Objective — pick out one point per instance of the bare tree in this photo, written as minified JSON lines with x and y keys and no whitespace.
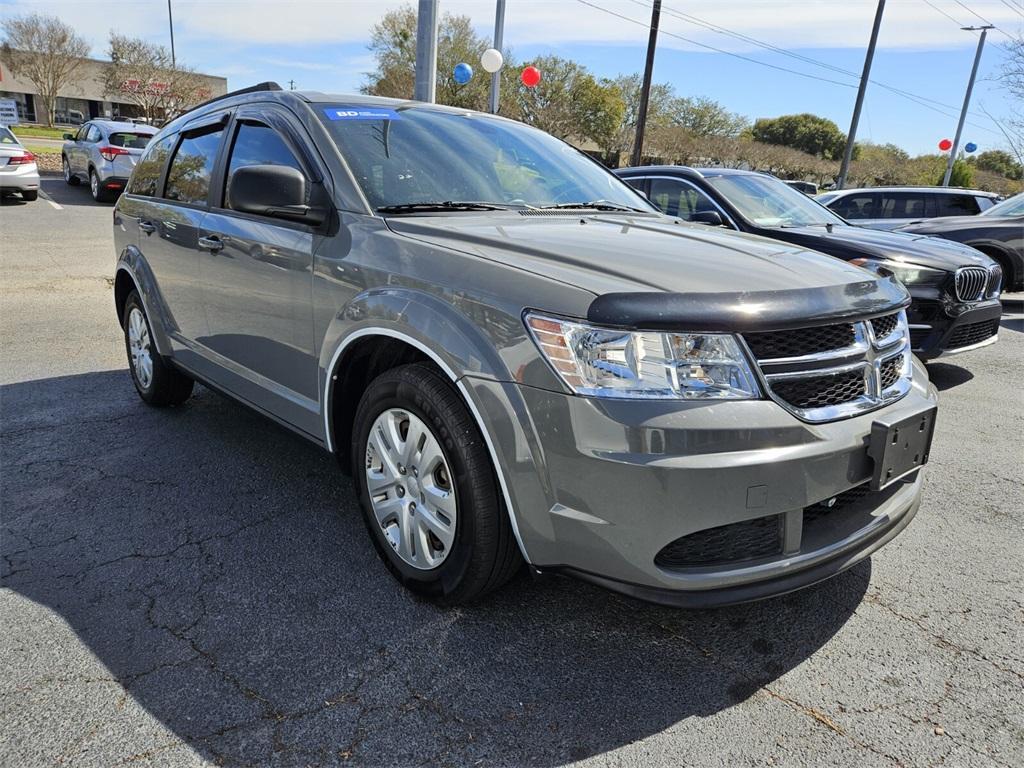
{"x":142,"y":74}
{"x":45,"y":51}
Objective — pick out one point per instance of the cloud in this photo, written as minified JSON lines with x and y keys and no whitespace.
{"x":799,"y":24}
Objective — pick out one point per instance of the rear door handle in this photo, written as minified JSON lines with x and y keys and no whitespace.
{"x":147,"y":226}
{"x":211,"y":243}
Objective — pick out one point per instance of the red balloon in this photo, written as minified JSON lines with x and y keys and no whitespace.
{"x":530,"y":77}
{"x":945,"y":145}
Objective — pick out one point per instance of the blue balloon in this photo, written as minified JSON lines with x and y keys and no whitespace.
{"x":970,"y":146}
{"x":463,"y":73}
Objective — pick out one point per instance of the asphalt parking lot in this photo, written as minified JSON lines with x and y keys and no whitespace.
{"x":195,"y":586}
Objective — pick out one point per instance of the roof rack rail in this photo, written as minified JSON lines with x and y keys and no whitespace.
{"x":269,"y":85}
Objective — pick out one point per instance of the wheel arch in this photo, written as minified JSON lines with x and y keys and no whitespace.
{"x":133,"y":274}
{"x":365,"y":353}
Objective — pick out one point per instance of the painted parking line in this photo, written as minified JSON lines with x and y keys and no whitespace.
{"x":49,"y":199}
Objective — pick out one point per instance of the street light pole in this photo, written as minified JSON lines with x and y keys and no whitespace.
{"x":499,"y":35}
{"x":426,"y":51}
{"x":967,"y":100}
{"x":170,"y":23}
{"x":852,"y":137}
{"x":645,"y":90}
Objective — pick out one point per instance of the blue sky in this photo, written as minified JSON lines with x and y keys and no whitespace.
{"x":321,"y":45}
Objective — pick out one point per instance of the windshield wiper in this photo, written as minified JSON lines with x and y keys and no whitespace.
{"x":447,"y":205}
{"x":597,"y":205}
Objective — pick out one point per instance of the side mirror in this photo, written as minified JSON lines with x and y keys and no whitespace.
{"x":712,"y":218}
{"x":272,"y":190}
{"x":69,"y":137}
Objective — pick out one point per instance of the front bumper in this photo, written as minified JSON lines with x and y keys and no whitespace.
{"x":600,"y":488}
{"x":939,"y":328}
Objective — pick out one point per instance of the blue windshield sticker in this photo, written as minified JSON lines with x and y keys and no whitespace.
{"x":361,"y":113}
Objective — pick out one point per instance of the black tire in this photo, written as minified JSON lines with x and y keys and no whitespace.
{"x":69,"y":178}
{"x":99,"y":194}
{"x":29,"y":195}
{"x":485,"y":554}
{"x":168,"y":385}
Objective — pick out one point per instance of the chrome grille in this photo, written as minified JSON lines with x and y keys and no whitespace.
{"x":817,"y":380}
{"x":971,"y":283}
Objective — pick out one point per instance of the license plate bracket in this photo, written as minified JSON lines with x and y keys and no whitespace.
{"x":901,"y":447}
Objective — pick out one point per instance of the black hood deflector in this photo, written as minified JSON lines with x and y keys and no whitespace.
{"x":749,"y":311}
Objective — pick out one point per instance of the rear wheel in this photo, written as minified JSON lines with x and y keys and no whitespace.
{"x":428,"y":490}
{"x":28,"y":195}
{"x":155,"y":380}
{"x":69,"y":177}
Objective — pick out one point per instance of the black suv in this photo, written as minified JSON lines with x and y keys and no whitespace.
{"x":955,"y":288}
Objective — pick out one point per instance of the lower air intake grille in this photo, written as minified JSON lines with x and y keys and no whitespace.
{"x":821,"y":391}
{"x":799,"y":342}
{"x":746,"y":540}
{"x":973,"y":333}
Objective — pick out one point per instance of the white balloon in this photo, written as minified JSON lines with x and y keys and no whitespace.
{"x":491,"y":60}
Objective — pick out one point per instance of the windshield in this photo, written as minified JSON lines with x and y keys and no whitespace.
{"x":419,"y":155}
{"x":1014,"y":206}
{"x":768,"y":202}
{"x":6,"y":137}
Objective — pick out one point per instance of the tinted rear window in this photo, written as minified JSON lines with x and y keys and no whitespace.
{"x":130,"y":140}
{"x":957,"y":205}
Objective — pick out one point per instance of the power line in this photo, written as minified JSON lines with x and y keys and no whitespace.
{"x":936,"y":8}
{"x":923,"y":101}
{"x":645,"y":25}
{"x":973,"y":12}
{"x":1013,"y":8}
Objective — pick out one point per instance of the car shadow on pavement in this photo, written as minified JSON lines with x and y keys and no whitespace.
{"x":219,"y":568}
{"x":66,"y":195}
{"x":946,"y":375}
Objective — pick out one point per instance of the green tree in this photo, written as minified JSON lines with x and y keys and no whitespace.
{"x":144,"y":73}
{"x":702,"y":116}
{"x":805,"y":132}
{"x":659,"y":105}
{"x":999,"y":161}
{"x":962,"y":175}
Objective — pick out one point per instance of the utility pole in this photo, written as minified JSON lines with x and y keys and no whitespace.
{"x":645,"y":90}
{"x":170,"y":22}
{"x":499,"y":36}
{"x":852,"y":137}
{"x":967,"y":100}
{"x":426,"y":51}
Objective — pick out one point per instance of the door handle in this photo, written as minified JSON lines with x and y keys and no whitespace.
{"x":147,"y":226}
{"x":211,"y":244}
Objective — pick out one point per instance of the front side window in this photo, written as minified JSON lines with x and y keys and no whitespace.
{"x":677,"y":198}
{"x":83,"y":132}
{"x":93,"y":135}
{"x":905,"y":205}
{"x":257,"y":144}
{"x":146,"y":175}
{"x":188,"y":179}
{"x":422,"y":154}
{"x":767,"y":202}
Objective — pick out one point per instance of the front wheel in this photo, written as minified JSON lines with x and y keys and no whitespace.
{"x":155,"y":380}
{"x":428,"y":490}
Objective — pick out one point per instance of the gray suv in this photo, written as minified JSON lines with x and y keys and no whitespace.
{"x":103,"y":154}
{"x":516,"y":356}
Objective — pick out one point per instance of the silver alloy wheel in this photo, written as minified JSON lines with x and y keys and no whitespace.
{"x":67,"y":170}
{"x":138,"y":343}
{"x":94,"y":184}
{"x":410,"y":487}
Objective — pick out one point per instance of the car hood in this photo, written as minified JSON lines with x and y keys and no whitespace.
{"x":954,"y":223}
{"x":919,"y":249}
{"x":724,"y":276}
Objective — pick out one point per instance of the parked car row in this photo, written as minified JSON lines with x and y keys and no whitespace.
{"x":955,"y":289}
{"x":519,"y":357}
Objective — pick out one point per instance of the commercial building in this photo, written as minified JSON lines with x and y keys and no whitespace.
{"x":82,"y":99}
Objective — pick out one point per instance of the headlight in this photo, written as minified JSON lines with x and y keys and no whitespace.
{"x":904,"y":272}
{"x":606,"y":362}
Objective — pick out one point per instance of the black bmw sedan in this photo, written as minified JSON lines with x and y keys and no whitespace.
{"x":955,"y":288}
